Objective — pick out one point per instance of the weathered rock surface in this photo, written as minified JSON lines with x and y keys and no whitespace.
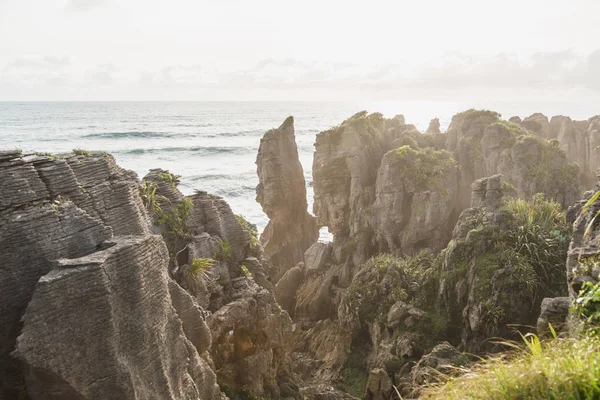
{"x":443,"y":358}
{"x":250,"y":335}
{"x":554,"y":312}
{"x":282,"y":194}
{"x":115,"y":313}
{"x":76,"y":229}
{"x":54,"y":208}
{"x":415,"y":200}
{"x":434,"y":127}
{"x":530,"y":164}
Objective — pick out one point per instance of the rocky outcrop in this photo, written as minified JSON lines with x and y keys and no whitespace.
{"x":415,"y":199}
{"x":434,"y":127}
{"x":214,"y":257}
{"x":579,"y":139}
{"x":252,"y":337}
{"x":55,"y":207}
{"x":530,"y":164}
{"x":282,"y":194}
{"x":381,"y":186}
{"x":75,"y":235}
{"x":115,"y":312}
{"x":490,"y":279}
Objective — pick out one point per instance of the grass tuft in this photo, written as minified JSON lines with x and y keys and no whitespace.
{"x":565,"y":369}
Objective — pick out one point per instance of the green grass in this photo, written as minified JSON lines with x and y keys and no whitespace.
{"x":82,"y":152}
{"x":559,"y":369}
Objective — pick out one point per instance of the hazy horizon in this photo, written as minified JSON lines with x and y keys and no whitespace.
{"x":104,"y":50}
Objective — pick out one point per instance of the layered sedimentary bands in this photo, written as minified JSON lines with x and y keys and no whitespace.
{"x":115,"y":287}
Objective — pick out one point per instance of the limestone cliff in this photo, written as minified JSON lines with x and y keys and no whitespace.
{"x":215,"y":256}
{"x":282,"y":194}
{"x":95,"y":306}
{"x":579,"y":139}
{"x":95,"y":325}
{"x":88,"y":330}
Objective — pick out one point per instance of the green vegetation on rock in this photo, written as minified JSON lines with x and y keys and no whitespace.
{"x":250,"y":230}
{"x":174,"y":219}
{"x":473,"y":113}
{"x":521,"y":261}
{"x":587,"y":305}
{"x":82,"y":152}
{"x":170,"y":178}
{"x":426,"y":168}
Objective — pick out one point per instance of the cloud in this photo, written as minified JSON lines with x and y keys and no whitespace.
{"x":84,"y":5}
{"x":539,"y":74}
{"x":102,"y":75}
{"x":37,"y":71}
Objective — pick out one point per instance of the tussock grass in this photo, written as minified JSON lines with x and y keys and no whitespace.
{"x":559,"y":369}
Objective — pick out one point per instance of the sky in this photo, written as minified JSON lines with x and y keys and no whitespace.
{"x":530,"y":50}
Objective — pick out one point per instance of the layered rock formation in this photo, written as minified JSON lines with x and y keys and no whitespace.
{"x":54,"y":208}
{"x":214,"y":258}
{"x":383,"y":187}
{"x":579,"y":139}
{"x":95,"y":306}
{"x":282,"y":194}
{"x":164,"y":295}
{"x":112,"y":312}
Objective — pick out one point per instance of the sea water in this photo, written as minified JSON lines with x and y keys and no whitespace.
{"x":213,"y":146}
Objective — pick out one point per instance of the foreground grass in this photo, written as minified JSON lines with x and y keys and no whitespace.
{"x":565,"y":369}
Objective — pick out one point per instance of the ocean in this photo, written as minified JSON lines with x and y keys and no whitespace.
{"x":213,"y":146}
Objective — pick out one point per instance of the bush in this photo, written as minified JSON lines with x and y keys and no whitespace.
{"x":561,"y":369}
{"x":170,"y":178}
{"x":411,"y":279}
{"x":424,"y":168}
{"x":223,"y":252}
{"x":587,"y":304}
{"x":250,"y":229}
{"x":174,"y":219}
{"x":200,"y":267}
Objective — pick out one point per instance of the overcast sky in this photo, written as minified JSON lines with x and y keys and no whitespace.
{"x":301,"y":50}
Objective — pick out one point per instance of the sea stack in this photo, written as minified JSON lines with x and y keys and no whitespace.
{"x":282,"y":194}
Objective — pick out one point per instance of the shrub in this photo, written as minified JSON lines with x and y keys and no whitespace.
{"x":223,"y":252}
{"x":412,"y":279}
{"x":587,"y":304}
{"x":200,"y":267}
{"x":424,"y":168}
{"x":174,"y":219}
{"x":250,"y":229}
{"x":170,"y":178}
